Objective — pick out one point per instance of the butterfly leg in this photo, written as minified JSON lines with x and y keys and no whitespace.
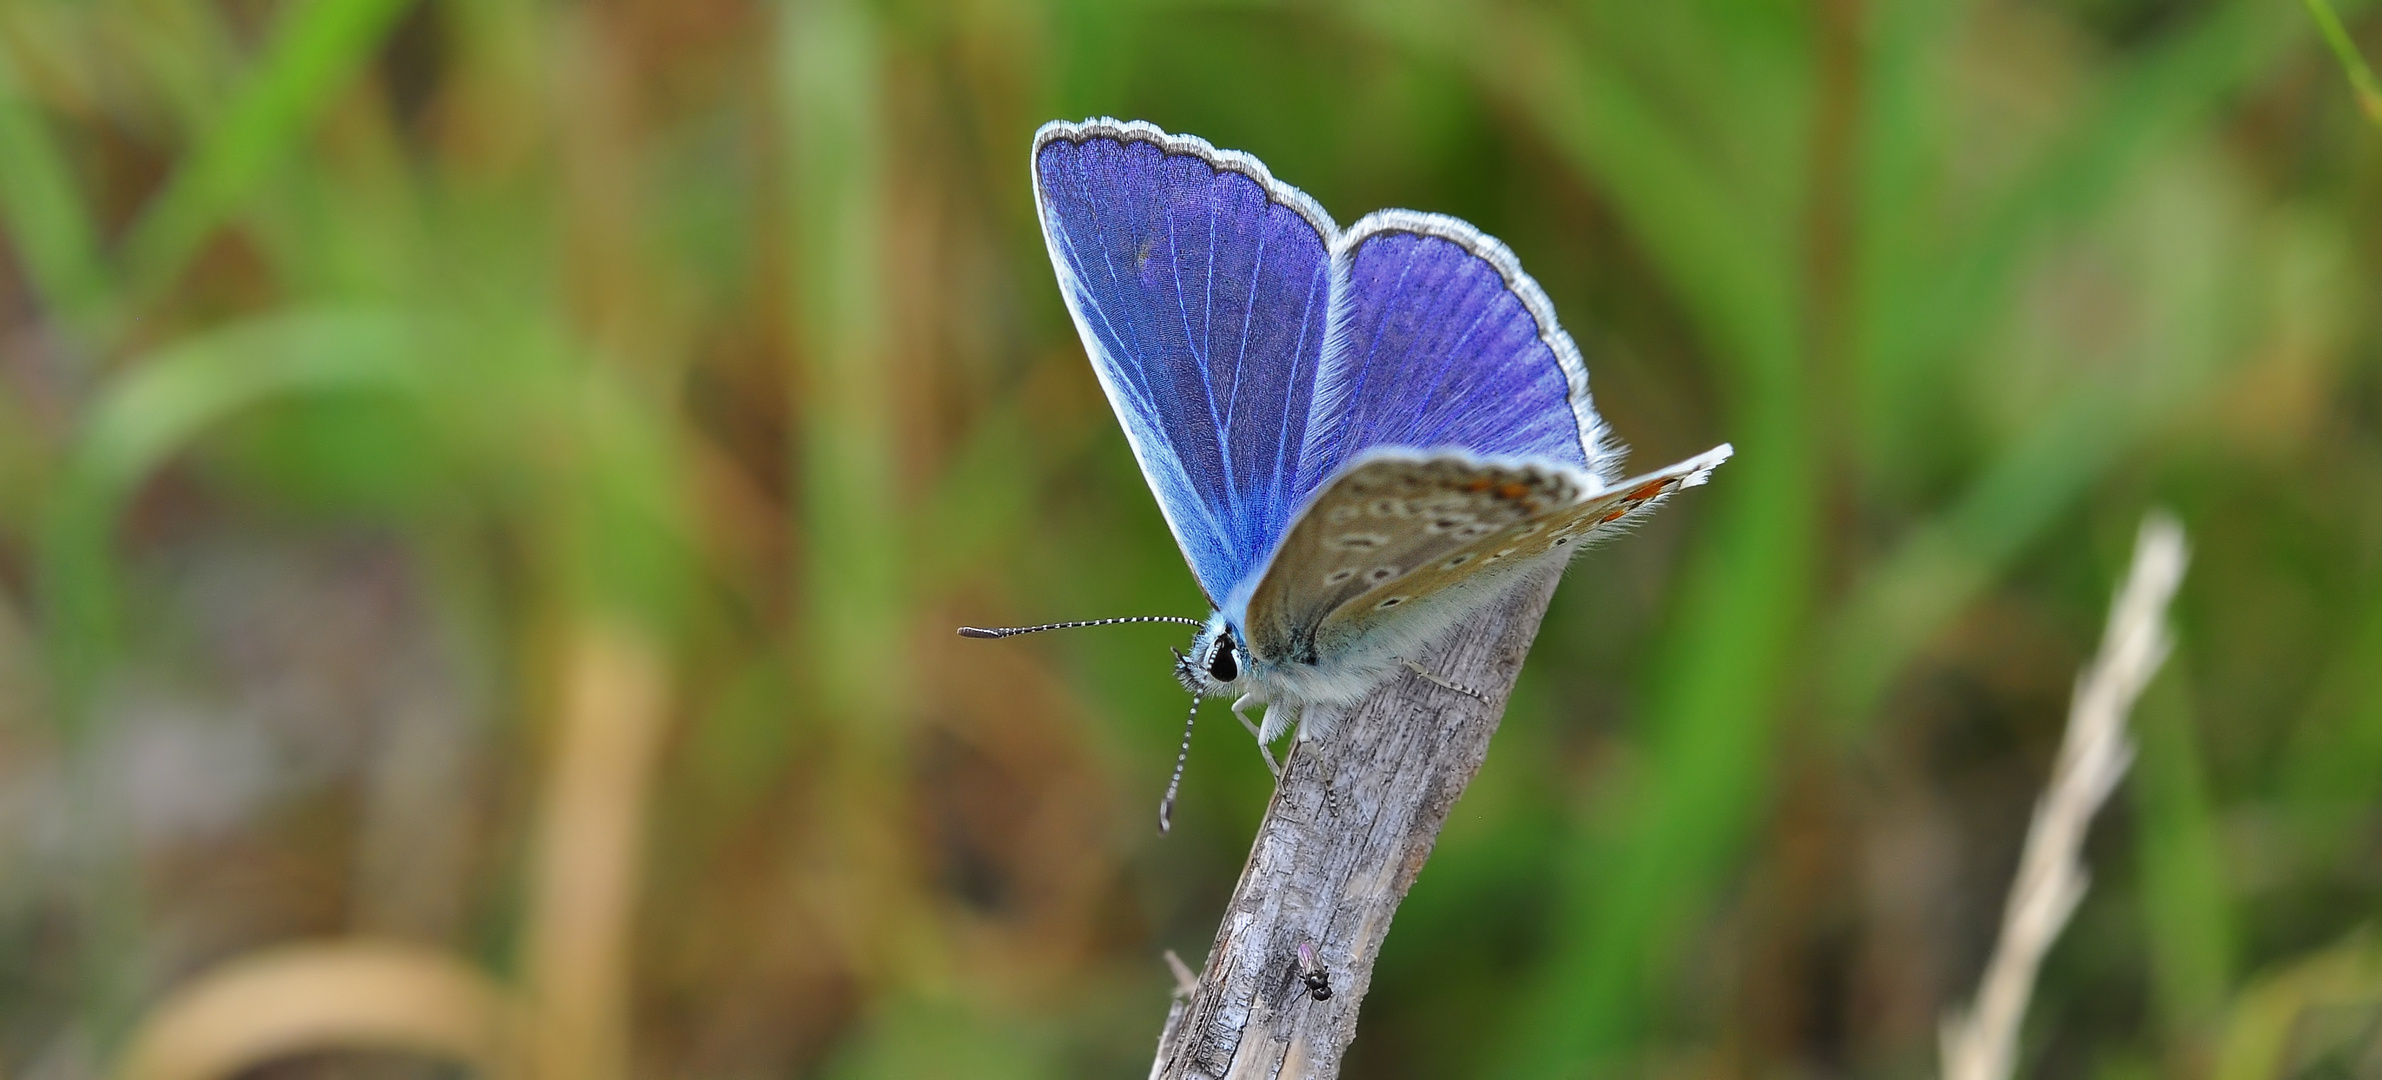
{"x":1280,"y":717}
{"x":1240,"y":711}
{"x":1437,"y":681}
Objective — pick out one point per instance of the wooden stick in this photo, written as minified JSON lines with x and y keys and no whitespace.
{"x":1353,"y":819}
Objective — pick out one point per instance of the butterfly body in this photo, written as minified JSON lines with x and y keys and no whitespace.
{"x":1358,"y":437}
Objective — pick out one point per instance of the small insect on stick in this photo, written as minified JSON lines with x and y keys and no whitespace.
{"x":1311,"y":974}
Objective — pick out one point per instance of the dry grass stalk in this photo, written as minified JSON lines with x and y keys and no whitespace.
{"x":299,"y":999}
{"x":366,"y":995}
{"x":584,"y":882}
{"x":1981,"y":1044}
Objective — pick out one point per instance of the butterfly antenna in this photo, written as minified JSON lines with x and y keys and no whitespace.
{"x":1175,"y":783}
{"x":990,"y":632}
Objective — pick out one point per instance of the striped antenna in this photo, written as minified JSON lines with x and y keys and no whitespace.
{"x":991,"y":632}
{"x":1166,"y":805}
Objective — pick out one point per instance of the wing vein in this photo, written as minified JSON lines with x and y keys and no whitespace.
{"x":1447,"y":366}
{"x":1085,"y":297}
{"x":1207,"y":377}
{"x":1282,"y":486}
{"x":1240,"y":360}
{"x":1365,"y":370}
{"x":1140,"y":357}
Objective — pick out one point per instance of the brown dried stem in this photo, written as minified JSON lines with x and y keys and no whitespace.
{"x":1352,"y":821}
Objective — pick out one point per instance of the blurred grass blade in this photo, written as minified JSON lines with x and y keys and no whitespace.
{"x":50,"y":229}
{"x":1908,"y":596}
{"x":1628,"y":906}
{"x":1921,"y":314}
{"x":2267,"y":1028}
{"x":151,"y":412}
{"x":831,"y":72}
{"x":2333,"y":759}
{"x":308,"y":999}
{"x":2186,"y":906}
{"x":627,"y":534}
{"x":316,"y":48}
{"x":590,"y":841}
{"x":1726,"y":245}
{"x":1722,"y":253}
{"x":2361,"y":77}
{"x":981,"y":506}
{"x":930,"y":1038}
{"x":846,"y":397}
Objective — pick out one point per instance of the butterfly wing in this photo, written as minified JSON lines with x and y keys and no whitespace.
{"x":1254,"y":354}
{"x":1392,"y":513}
{"x":1404,"y":539}
{"x":1201,"y":287}
{"x":1441,"y":341}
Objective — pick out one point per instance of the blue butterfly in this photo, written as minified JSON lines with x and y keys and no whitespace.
{"x":1358,"y":436}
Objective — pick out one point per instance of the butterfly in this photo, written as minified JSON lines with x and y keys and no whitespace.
{"x":1358,"y":436}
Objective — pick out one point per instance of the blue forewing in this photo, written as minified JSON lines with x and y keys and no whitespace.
{"x":1202,"y":289}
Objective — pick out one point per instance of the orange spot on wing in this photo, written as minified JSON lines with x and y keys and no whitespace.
{"x":1647,"y":491}
{"x":1480,"y":483}
{"x":1513,"y":491}
{"x":1613,"y":515}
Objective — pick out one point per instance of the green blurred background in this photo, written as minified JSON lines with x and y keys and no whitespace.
{"x":499,"y":477}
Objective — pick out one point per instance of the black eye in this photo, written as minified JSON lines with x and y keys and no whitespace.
{"x":1221,"y":663}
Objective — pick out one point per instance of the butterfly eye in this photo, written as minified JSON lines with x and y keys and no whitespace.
{"x":1222,"y":663}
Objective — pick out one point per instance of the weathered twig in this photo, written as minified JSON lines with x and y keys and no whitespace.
{"x":1352,"y":821}
{"x":1982,"y":1043}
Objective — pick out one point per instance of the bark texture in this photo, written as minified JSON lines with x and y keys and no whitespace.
{"x":1352,"y":821}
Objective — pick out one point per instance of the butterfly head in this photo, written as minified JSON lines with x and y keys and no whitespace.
{"x":1218,"y":662}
